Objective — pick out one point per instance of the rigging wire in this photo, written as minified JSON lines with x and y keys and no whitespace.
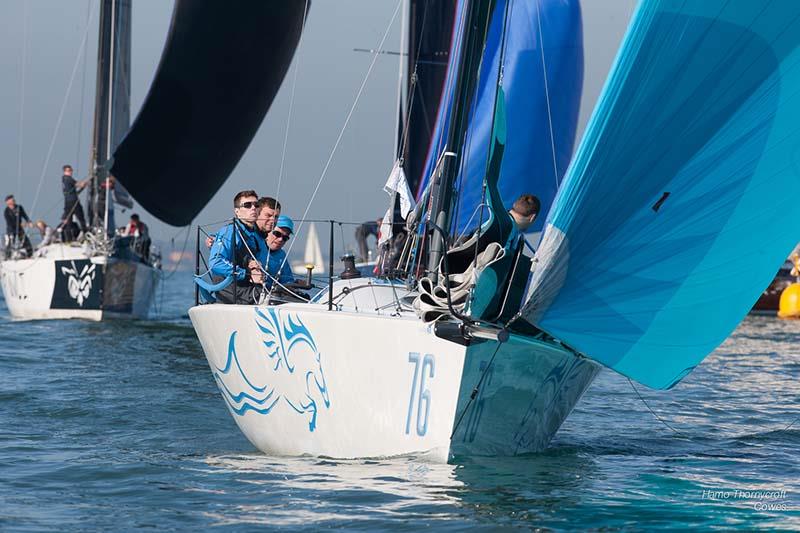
{"x":410,"y":97}
{"x":475,"y":390}
{"x":508,"y":10}
{"x":341,"y":134}
{"x":165,"y":277}
{"x":22,"y":96}
{"x":447,"y":90}
{"x":22,"y":105}
{"x":83,"y":90}
{"x":344,"y":127}
{"x":547,"y":93}
{"x":291,"y":99}
{"x":112,"y":69}
{"x":61,"y":114}
{"x":681,"y":433}
{"x":446,"y":93}
{"x":400,"y":80}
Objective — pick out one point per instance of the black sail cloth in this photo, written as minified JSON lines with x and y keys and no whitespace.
{"x":222,"y":65}
{"x":430,"y":33}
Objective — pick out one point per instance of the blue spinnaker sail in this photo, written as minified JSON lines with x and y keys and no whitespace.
{"x":681,"y":201}
{"x":532,"y":163}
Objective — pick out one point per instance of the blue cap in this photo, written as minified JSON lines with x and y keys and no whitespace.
{"x":285,"y":223}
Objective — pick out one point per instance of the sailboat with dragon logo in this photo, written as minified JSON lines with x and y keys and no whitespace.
{"x":660,"y":234}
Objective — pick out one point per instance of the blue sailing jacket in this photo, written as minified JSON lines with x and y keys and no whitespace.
{"x":224,"y":260}
{"x":278,"y":267}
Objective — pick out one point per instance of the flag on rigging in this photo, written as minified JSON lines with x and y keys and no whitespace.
{"x":396,"y":184}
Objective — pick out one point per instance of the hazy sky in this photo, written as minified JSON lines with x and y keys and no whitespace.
{"x":49,"y":33}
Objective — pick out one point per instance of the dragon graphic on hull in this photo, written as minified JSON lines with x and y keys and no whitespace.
{"x":292,"y":359}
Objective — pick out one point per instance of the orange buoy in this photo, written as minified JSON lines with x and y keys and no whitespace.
{"x":789,"y":306}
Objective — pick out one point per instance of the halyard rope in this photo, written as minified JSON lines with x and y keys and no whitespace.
{"x":291,"y":99}
{"x":61,"y":113}
{"x":343,"y":129}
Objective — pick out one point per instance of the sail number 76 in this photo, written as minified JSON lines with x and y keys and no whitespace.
{"x":424,"y":368}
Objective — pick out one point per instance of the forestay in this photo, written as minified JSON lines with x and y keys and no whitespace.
{"x":681,"y":201}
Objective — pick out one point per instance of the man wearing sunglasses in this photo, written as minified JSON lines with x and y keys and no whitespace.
{"x":268,"y":211}
{"x":277,"y":265}
{"x":239,"y":250}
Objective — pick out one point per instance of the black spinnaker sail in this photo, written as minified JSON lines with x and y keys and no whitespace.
{"x":222,"y":65}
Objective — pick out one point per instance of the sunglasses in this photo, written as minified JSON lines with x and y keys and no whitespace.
{"x":248,"y":205}
{"x":281,"y":235}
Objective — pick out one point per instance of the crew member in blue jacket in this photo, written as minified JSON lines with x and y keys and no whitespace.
{"x":277,"y":265}
{"x":238,"y":250}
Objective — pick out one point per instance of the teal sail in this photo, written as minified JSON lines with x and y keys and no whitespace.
{"x":682,"y":198}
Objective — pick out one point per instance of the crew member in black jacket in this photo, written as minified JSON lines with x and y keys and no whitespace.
{"x":16,"y":217}
{"x":72,"y":205}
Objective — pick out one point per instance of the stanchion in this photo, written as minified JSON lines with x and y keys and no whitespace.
{"x":197,"y":267}
{"x":330,"y":270}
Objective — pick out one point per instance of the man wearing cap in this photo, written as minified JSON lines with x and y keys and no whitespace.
{"x":16,"y":217}
{"x":277,"y":265}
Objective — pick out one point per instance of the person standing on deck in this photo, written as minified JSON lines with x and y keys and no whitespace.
{"x":72,"y":205}
{"x":16,"y":217}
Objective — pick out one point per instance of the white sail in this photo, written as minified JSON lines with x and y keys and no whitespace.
{"x":312,"y":254}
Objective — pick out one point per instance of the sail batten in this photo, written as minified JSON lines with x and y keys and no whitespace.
{"x":222,"y":65}
{"x":673,"y":215}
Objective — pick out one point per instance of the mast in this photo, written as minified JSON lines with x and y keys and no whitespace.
{"x":473,"y":40}
{"x":112,"y":103}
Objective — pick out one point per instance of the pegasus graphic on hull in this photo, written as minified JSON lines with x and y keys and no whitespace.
{"x":292,"y":358}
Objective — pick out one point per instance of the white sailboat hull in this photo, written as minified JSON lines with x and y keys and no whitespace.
{"x":64,"y":282}
{"x":299,"y":379}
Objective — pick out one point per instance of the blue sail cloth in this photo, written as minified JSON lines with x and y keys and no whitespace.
{"x":530,"y":165}
{"x":681,"y":201}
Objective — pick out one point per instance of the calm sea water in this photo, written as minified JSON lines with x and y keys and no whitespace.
{"x":119,"y":425}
